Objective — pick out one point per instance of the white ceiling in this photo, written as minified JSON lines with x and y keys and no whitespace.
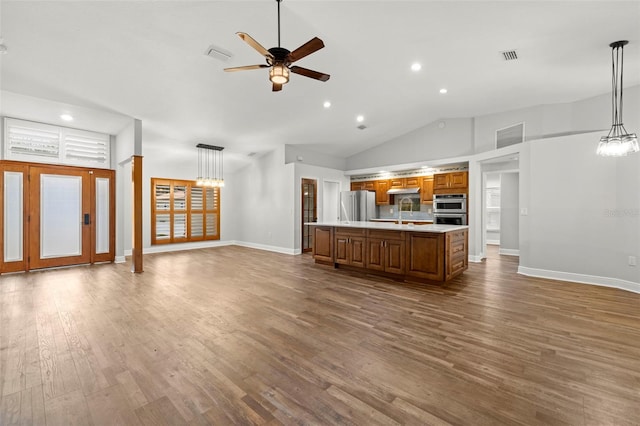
{"x":145,"y":59}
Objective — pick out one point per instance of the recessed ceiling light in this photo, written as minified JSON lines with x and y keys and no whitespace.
{"x":66,"y":117}
{"x":327,"y":104}
{"x":443,"y":90}
{"x":383,"y":171}
{"x":360,"y":118}
{"x":416,"y":67}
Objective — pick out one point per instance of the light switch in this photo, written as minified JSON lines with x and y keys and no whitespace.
{"x":524,"y":211}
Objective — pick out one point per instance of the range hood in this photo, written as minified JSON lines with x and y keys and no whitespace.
{"x":403,"y":191}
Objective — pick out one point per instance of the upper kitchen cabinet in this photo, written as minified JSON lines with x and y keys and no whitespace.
{"x":369,"y":185}
{"x":444,"y":183}
{"x":426,"y":190}
{"x":402,"y":183}
{"x":382,"y":198}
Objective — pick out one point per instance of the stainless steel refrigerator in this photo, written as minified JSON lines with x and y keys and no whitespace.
{"x":357,"y":205}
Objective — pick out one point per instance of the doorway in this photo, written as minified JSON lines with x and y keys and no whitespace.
{"x":55,"y":216}
{"x":309,"y":198}
{"x":330,"y":201}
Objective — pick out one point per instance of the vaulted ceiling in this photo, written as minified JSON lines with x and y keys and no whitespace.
{"x":146,"y":59}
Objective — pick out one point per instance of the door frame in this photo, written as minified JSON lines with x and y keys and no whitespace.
{"x":25,"y":167}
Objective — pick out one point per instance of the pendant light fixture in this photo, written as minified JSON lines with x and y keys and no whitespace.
{"x":618,"y":142}
{"x":210,"y":166}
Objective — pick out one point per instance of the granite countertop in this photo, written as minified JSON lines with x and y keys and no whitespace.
{"x":391,"y":226}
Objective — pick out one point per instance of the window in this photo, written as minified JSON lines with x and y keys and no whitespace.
{"x":44,"y":143}
{"x":183,"y":212}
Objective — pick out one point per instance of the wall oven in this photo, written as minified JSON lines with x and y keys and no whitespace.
{"x":449,"y":218}
{"x":450,"y":203}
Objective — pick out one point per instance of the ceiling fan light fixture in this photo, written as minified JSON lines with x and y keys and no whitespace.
{"x":279,"y":74}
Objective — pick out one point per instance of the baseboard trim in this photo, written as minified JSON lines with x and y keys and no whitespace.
{"x":119,"y":259}
{"x":580,"y":278}
{"x":275,"y":249}
{"x":475,"y":259}
{"x":509,"y":252}
{"x":164,"y":248}
{"x":493,"y":242}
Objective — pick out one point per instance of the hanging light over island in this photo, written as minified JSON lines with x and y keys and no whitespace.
{"x":618,"y":141}
{"x":210,"y":166}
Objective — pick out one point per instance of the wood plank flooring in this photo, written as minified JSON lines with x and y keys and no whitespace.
{"x":233,"y":335}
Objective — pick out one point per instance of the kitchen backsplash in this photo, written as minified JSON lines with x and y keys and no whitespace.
{"x":385,"y":212}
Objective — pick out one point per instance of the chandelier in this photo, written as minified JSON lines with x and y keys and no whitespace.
{"x":618,"y":142}
{"x":210,"y":163}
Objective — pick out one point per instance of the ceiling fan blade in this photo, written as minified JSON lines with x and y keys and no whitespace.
{"x":310,"y":73}
{"x":251,"y":42}
{"x":247,"y":67}
{"x":306,"y":49}
{"x":276,"y":87}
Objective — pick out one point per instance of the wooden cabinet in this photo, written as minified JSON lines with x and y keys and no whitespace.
{"x":409,"y":255}
{"x":426,"y":190}
{"x":382,"y":198}
{"x":385,"y":251}
{"x":402,"y":183}
{"x":357,"y":186}
{"x":444,"y":183}
{"x":456,"y":244}
{"x":368,"y":185}
{"x":350,"y":246}
{"x":323,"y":243}
{"x":425,"y":255}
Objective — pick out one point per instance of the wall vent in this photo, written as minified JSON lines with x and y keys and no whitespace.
{"x":510,"y":135}
{"x":509,"y":55}
{"x":218,"y":53}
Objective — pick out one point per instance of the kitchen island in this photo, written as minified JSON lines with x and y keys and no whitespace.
{"x":422,"y":253}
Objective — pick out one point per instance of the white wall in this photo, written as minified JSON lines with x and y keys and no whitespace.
{"x":294,"y":152}
{"x":320,"y":174}
{"x":121,"y":162}
{"x":583,"y":212}
{"x":264,"y":203}
{"x":509,"y":213}
{"x":161,"y":162}
{"x":431,"y":142}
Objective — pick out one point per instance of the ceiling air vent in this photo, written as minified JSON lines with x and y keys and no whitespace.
{"x":218,"y":53}
{"x":509,"y":55}
{"x":362,"y":127}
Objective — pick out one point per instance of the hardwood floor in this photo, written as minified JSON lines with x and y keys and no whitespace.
{"x":232,"y":335}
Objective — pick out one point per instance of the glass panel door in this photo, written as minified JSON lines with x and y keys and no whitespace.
{"x":309,"y":212}
{"x":61,"y":217}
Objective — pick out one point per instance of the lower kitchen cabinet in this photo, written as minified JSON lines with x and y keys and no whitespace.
{"x":456,"y":247}
{"x":350,"y":247}
{"x":409,"y":255}
{"x":323,"y":243}
{"x":385,"y":251}
{"x":425,"y":256}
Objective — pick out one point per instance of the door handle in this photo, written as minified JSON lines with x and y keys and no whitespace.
{"x":87,"y":219}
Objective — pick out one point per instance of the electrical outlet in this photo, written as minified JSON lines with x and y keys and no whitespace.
{"x":524,"y":212}
{"x":633,"y":261}
{"x":429,"y":211}
{"x":391,"y":210}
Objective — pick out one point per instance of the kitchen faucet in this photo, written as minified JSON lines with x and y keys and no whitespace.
{"x":400,"y":207}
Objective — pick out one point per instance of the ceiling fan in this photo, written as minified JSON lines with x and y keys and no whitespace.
{"x":279,"y":59}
